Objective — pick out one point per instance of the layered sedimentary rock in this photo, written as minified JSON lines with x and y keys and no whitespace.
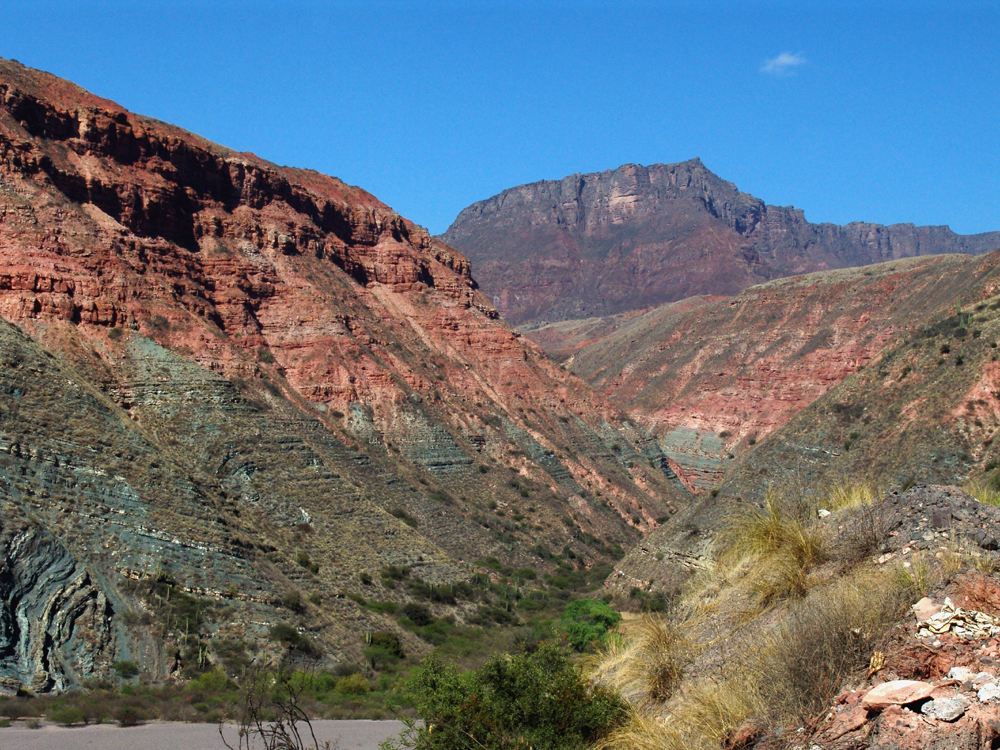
{"x":712,"y":377}
{"x":925,"y":408}
{"x":219,"y":368}
{"x":633,"y":237}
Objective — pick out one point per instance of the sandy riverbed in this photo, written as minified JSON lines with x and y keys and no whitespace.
{"x":352,"y":735}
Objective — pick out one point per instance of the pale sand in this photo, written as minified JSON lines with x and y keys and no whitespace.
{"x":352,"y":735}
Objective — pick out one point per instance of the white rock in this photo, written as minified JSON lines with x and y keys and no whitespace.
{"x":962,"y":674}
{"x":989,"y":692}
{"x":823,"y":512}
{"x":980,"y":678}
{"x":944,"y":709}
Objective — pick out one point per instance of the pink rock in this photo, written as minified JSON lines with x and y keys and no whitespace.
{"x":896,"y":693}
{"x":925,"y":609}
{"x":847,"y":721}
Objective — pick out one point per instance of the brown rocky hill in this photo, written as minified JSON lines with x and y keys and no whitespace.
{"x":925,"y":408}
{"x":711,"y":377}
{"x":634,"y":237}
{"x":233,"y":394}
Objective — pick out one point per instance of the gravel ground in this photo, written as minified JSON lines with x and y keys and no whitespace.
{"x":352,"y":735}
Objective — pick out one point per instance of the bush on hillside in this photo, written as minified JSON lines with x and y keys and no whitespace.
{"x":354,"y":684}
{"x":538,"y":700}
{"x":66,"y":716}
{"x":587,"y":620}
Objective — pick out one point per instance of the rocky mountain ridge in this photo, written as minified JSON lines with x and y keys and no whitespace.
{"x":257,"y":387}
{"x":634,"y":237}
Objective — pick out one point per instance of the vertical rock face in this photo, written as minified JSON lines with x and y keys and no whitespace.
{"x":633,"y":237}
{"x":212,"y":366}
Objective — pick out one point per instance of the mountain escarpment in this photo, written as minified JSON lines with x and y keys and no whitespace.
{"x":600,"y":244}
{"x":235,"y":394}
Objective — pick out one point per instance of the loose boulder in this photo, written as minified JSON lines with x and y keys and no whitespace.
{"x":896,"y":693}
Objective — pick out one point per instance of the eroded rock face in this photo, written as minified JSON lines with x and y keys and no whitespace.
{"x":711,"y":377}
{"x":56,"y":625}
{"x":211,"y":366}
{"x":633,"y":237}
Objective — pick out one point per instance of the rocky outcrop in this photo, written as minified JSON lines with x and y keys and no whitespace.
{"x":633,"y":237}
{"x":56,"y":625}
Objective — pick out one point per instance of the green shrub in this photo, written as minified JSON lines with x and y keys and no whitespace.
{"x":66,"y":715}
{"x":346,"y":668}
{"x":405,"y":517}
{"x":130,"y":716}
{"x":293,"y":639}
{"x":418,"y":614}
{"x":385,"y":607}
{"x":387,"y":640}
{"x":380,"y":658}
{"x":539,"y":700}
{"x":212,"y":681}
{"x":390,"y":574}
{"x":292,"y":600}
{"x":587,"y":620}
{"x":304,"y":561}
{"x":353,"y":684}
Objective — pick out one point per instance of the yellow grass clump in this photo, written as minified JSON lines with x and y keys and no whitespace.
{"x":843,"y":494}
{"x":983,"y":491}
{"x":779,"y":543}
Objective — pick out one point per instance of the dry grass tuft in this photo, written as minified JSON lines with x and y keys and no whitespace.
{"x":917,"y":576}
{"x":787,"y":673}
{"x":648,"y":661}
{"x":640,"y":732}
{"x":825,"y":639}
{"x":983,"y":491}
{"x":664,"y":648}
{"x":866,"y":530}
{"x":844,"y":494}
{"x":779,"y":540}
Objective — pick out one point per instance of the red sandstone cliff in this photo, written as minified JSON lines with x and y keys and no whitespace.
{"x":240,"y":351}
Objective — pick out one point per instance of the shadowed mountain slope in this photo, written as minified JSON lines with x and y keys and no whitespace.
{"x":243,"y":381}
{"x":634,"y":237}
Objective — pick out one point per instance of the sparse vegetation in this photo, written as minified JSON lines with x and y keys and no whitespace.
{"x":983,"y":490}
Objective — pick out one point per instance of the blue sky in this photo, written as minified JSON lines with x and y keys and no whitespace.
{"x":871,"y":111}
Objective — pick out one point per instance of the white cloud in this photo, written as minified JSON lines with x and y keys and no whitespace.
{"x":783,"y":65}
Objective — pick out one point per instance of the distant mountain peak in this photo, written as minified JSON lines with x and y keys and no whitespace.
{"x":636,"y":236}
